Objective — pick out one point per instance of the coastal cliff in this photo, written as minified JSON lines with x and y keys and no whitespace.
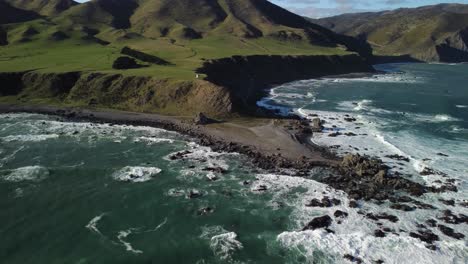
{"x":247,"y":77}
{"x":233,"y":85}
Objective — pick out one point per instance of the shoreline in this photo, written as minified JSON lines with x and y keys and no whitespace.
{"x":267,"y":141}
{"x":275,"y":145}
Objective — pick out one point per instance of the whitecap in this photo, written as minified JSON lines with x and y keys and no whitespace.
{"x":28,"y":173}
{"x":224,"y":245}
{"x":92,"y":225}
{"x":136,"y":174}
{"x":154,"y":140}
{"x":462,"y":106}
{"x":124,"y":234}
{"x":29,"y":138}
{"x":391,"y":249}
{"x":444,"y":118}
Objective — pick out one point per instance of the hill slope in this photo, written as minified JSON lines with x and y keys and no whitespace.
{"x":429,"y":33}
{"x":42,"y":7}
{"x":192,"y":19}
{"x":171,"y":41}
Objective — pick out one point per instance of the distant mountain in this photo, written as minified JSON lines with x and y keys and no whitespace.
{"x":429,"y":33}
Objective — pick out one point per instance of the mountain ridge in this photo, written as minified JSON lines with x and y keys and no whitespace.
{"x":428,"y":33}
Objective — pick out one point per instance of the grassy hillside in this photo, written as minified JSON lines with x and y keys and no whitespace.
{"x":42,"y":7}
{"x":90,"y":36}
{"x":430,"y":33}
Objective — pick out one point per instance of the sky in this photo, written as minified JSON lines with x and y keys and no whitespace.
{"x":325,"y":8}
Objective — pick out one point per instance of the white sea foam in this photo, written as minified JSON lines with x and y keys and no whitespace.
{"x":154,"y":140}
{"x":92,"y":225}
{"x":224,"y":245}
{"x":29,"y":138}
{"x":29,"y":173}
{"x":222,"y":242}
{"x":354,"y":234}
{"x":136,"y":174}
{"x":124,"y":234}
{"x":391,"y":249}
{"x":462,"y":106}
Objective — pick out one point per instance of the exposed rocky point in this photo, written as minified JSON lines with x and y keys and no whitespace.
{"x":319,"y":222}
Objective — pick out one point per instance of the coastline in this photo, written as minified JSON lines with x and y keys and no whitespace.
{"x":272,"y":144}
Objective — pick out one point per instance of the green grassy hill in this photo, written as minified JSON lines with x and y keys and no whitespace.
{"x":74,"y":53}
{"x":430,"y":33}
{"x":89,"y":36}
{"x":42,"y":7}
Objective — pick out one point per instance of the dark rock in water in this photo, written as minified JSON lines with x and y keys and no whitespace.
{"x":194,"y":194}
{"x":464,"y":204}
{"x":431,"y":222}
{"x":319,"y":222}
{"x":261,"y":188}
{"x":334,"y":134}
{"x":402,"y":207}
{"x":350,"y":134}
{"x":442,"y":154}
{"x":340,"y":214}
{"x":398,"y":157}
{"x":353,"y":204}
{"x":179,"y":155}
{"x":215,"y":170}
{"x":350,"y":119}
{"x":366,"y":178}
{"x":382,"y":216}
{"x":422,"y":205}
{"x":123,"y":63}
{"x":317,"y":125}
{"x":352,"y":258}
{"x":325,"y":202}
{"x":451,"y":218}
{"x":379,"y":233}
{"x":205,"y":211}
{"x":448,"y":202}
{"x":425,"y":236}
{"x":450,"y":232}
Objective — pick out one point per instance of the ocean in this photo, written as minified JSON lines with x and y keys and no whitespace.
{"x":77,"y":192}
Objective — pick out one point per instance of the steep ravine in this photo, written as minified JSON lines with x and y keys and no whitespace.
{"x":233,"y":85}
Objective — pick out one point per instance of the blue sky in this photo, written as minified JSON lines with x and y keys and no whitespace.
{"x":324,"y":8}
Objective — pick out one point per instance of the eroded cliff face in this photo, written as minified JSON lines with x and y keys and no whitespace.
{"x":233,"y":85}
{"x":247,"y":77}
{"x":454,"y":48}
{"x":142,"y":94}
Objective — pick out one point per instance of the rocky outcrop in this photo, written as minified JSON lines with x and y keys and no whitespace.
{"x":247,"y":77}
{"x":366,"y":178}
{"x":319,"y":222}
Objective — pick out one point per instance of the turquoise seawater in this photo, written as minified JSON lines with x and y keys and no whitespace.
{"x":96,"y":193}
{"x":67,"y":196}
